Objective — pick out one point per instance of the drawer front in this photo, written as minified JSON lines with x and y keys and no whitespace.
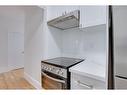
{"x":83,"y":82}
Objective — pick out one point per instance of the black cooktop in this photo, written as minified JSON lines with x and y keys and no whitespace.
{"x":63,"y":62}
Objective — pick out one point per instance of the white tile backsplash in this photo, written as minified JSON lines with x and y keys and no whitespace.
{"x":90,"y":43}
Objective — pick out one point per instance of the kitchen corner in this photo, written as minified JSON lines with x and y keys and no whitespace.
{"x":93,"y":70}
{"x":63,"y":47}
{"x":70,"y":38}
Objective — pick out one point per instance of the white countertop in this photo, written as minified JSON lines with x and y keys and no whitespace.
{"x":90,"y":68}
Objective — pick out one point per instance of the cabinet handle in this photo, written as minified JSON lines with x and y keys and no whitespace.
{"x":85,"y":85}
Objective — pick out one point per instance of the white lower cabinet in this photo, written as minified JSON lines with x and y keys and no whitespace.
{"x":84,"y":82}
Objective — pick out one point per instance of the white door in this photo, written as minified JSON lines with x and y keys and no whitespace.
{"x":15,"y":50}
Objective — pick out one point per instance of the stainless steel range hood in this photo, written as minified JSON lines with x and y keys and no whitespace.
{"x":67,"y":21}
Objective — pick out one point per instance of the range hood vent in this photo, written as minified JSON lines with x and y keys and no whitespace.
{"x":67,"y":21}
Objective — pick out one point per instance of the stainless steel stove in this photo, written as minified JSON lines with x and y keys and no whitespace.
{"x":55,"y":72}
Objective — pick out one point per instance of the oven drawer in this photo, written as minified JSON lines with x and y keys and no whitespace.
{"x":84,"y":82}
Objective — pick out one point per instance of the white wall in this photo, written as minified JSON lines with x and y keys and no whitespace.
{"x":3,"y":47}
{"x":41,"y":42}
{"x":89,"y":43}
{"x":15,"y":50}
{"x":53,"y":43}
{"x":11,"y":21}
{"x":34,"y":44}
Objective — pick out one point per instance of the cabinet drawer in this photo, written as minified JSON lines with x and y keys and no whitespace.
{"x":84,"y":82}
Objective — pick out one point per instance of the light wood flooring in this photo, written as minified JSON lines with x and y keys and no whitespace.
{"x":14,"y":80}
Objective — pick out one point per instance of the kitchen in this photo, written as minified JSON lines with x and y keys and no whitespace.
{"x":64,"y":47}
{"x":82,"y":38}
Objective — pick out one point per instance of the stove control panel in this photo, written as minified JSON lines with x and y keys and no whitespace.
{"x":55,"y":70}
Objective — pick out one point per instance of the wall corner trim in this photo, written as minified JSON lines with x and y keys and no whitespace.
{"x":32,"y":81}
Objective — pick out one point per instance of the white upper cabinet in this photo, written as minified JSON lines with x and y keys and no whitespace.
{"x":56,"y":11}
{"x":92,"y":16}
{"x":89,"y":15}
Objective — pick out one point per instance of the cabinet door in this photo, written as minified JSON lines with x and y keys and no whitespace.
{"x":84,"y":82}
{"x":70,"y":8}
{"x":53,"y":12}
{"x":56,"y":11}
{"x":92,"y":15}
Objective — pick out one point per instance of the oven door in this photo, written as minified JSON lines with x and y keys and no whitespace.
{"x":52,"y":81}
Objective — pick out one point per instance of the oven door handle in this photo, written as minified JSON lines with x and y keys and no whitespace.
{"x":61,"y":81}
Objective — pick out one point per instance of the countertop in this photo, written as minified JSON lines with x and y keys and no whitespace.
{"x":90,"y":68}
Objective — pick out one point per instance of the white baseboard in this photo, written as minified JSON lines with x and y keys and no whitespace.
{"x":3,"y":69}
{"x":32,"y":81}
{"x":14,"y":68}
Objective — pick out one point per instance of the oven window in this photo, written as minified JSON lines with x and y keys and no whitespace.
{"x":48,"y":82}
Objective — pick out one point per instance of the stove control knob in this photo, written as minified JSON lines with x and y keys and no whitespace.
{"x":50,"y":69}
{"x":47,"y":68}
{"x":61,"y":73}
{"x":57,"y":72}
{"x":44,"y":67}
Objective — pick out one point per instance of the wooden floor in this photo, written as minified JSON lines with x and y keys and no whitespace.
{"x":14,"y":80}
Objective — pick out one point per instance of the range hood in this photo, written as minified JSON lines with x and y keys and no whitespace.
{"x":67,"y":21}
